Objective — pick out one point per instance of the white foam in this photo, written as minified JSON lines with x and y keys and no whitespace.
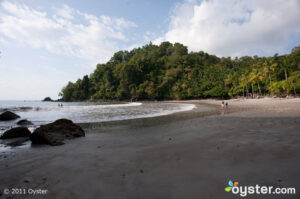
{"x":183,"y":107}
{"x":121,"y":105}
{"x":100,"y":113}
{"x":87,"y":107}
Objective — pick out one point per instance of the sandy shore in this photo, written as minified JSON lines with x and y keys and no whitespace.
{"x":186,"y":155}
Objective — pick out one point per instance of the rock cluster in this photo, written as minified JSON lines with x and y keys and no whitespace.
{"x":47,"y":99}
{"x":16,"y":132}
{"x":53,"y":133}
{"x":7,"y":115}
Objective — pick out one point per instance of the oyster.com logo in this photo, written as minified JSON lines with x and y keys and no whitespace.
{"x":257,"y":189}
{"x":231,"y":185}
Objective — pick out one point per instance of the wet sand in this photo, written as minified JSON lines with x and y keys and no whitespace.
{"x":185,"y":155}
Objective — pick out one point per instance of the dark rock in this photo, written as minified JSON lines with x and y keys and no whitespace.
{"x":7,"y":115}
{"x":55,"y":133}
{"x":47,"y":99}
{"x":24,"y":122}
{"x":16,"y":132}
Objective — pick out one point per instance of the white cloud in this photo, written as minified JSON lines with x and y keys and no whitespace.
{"x":118,"y":23}
{"x":67,"y":32}
{"x":65,"y":12}
{"x":234,"y":27}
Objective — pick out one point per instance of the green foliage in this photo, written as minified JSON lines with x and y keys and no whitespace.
{"x":168,"y":71}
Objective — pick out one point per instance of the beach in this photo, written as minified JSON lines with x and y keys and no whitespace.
{"x":190,"y":155}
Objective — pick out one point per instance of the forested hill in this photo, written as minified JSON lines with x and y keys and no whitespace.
{"x":168,"y":71}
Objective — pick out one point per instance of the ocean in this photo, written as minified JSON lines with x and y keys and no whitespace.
{"x":85,"y":112}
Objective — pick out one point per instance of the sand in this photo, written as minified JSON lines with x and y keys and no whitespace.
{"x":185,"y":155}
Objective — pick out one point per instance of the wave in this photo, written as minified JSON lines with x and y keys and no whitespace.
{"x":22,"y":108}
{"x":183,"y":107}
{"x":91,"y":107}
{"x":98,"y":113}
{"x":68,"y":107}
{"x":121,"y":105}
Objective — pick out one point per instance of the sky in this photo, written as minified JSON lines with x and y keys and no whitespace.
{"x":46,"y":44}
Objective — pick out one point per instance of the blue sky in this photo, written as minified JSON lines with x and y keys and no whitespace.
{"x":45,"y":44}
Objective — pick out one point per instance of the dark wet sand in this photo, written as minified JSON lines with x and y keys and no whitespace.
{"x":186,"y":155}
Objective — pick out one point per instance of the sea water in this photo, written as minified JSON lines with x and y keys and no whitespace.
{"x":85,"y":112}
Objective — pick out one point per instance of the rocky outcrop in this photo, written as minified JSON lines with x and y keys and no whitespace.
{"x":15,"y":133}
{"x":7,"y":115}
{"x":55,"y":133}
{"x":24,"y":123}
{"x":47,"y":99}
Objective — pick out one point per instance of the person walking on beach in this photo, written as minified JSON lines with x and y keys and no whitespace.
{"x":222,"y":105}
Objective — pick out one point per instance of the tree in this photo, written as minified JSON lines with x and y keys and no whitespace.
{"x":169,"y":71}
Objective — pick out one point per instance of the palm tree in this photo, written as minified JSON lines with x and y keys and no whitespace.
{"x":294,"y":80}
{"x":244,"y":84}
{"x":252,"y":78}
{"x":288,"y":63}
{"x":269,"y":66}
{"x":255,"y":77}
{"x":285,"y":65}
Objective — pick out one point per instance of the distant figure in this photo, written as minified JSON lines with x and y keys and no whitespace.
{"x":226,"y":104}
{"x":61,"y":105}
{"x":222,"y":105}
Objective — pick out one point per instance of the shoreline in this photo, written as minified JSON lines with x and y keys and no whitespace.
{"x":191,"y":99}
{"x":182,"y":155}
{"x":235,"y":105}
{"x":9,"y":124}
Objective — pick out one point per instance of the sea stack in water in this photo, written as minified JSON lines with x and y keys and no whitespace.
{"x":7,"y":115}
{"x":55,"y":133}
{"x":47,"y":99}
{"x":15,"y":133}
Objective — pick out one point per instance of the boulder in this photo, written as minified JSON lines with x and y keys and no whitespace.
{"x":7,"y":115}
{"x":55,"y":133}
{"x":47,"y":99}
{"x":16,"y":132}
{"x":24,"y":122}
